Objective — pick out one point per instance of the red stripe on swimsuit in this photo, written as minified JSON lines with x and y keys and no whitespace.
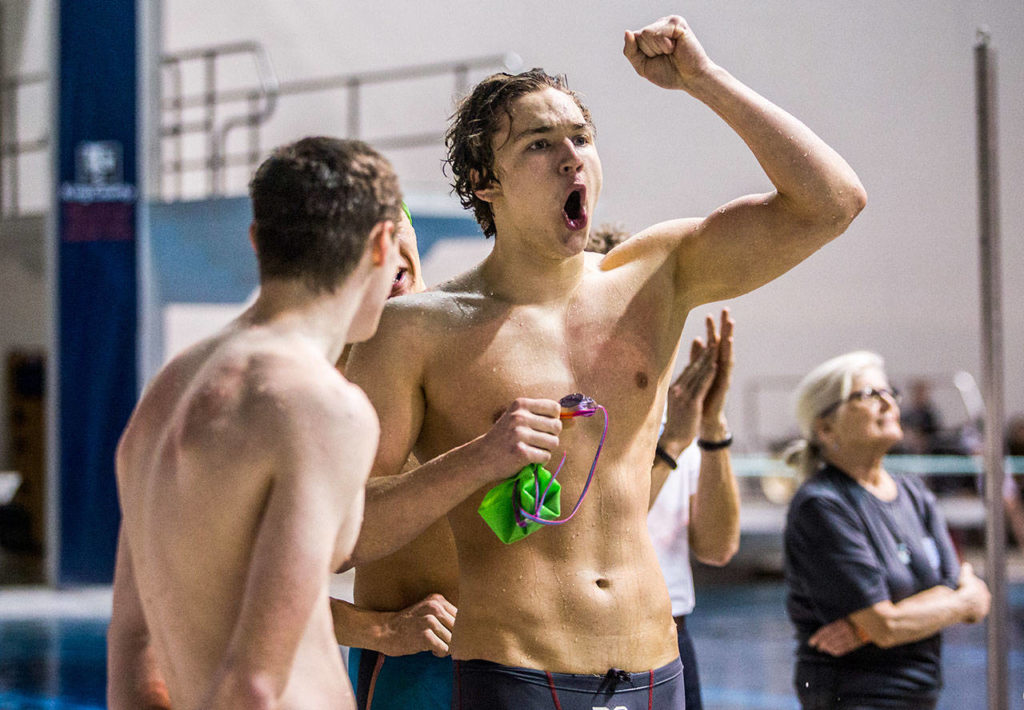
{"x":554,"y":693}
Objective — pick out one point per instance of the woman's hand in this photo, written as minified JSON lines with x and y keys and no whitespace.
{"x":975,"y":595}
{"x":837,"y":639}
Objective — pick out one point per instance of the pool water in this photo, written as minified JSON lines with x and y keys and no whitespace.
{"x":743,"y":639}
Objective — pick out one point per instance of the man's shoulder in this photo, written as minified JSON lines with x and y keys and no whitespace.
{"x":654,"y":242}
{"x":252,"y":385}
{"x":283,"y":385}
{"x":431,"y":313}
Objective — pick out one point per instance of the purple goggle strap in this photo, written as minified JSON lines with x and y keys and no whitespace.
{"x":525,"y":515}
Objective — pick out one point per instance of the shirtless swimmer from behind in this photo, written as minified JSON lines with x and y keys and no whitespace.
{"x":241,"y":472}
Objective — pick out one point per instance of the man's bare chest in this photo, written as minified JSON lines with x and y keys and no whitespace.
{"x":486,"y":363}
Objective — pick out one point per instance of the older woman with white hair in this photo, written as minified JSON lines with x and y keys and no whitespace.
{"x":871,"y":571}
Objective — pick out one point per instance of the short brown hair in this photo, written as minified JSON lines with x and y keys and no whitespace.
{"x":314,"y":204}
{"x":473,"y":125}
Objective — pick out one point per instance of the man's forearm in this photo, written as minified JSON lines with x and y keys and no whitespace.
{"x":715,"y":505}
{"x":671,"y":447}
{"x":400,"y":507}
{"x":357,"y":627}
{"x":134,"y":680}
{"x":715,"y":510}
{"x":804,"y":169}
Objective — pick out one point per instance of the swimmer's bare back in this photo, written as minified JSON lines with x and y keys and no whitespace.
{"x":241,"y":477}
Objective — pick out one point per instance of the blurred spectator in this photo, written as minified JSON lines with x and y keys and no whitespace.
{"x":1015,"y":435}
{"x":606,"y":237}
{"x":1012,"y":491}
{"x":871,"y":572}
{"x":920,"y":419}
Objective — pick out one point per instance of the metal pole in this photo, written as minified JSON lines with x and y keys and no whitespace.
{"x":3,"y":110}
{"x":353,"y":108}
{"x":992,"y":356}
{"x":210,"y":101}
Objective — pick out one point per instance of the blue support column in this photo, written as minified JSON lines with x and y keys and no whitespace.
{"x":95,"y":330}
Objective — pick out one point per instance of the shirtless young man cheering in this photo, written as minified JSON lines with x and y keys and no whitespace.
{"x":539,"y":319}
{"x":241,"y":471}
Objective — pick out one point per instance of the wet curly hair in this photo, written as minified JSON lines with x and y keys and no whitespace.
{"x":473,"y":126}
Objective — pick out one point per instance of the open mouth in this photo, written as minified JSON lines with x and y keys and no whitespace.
{"x":401,"y":283}
{"x":574,"y":210}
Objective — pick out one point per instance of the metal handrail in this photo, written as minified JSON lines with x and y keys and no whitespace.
{"x":353,"y":83}
{"x":13,"y":82}
{"x":262,"y":102}
{"x":14,"y":149}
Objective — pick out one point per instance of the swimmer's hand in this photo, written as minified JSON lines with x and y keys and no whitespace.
{"x":527,"y":432}
{"x":667,"y":53}
{"x":836,"y":639}
{"x":425,"y":626}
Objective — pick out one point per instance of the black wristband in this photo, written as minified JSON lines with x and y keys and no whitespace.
{"x":715,"y":445}
{"x":660,"y":453}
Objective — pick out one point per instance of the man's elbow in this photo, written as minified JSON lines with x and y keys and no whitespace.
{"x":253,"y":690}
{"x":848,"y":200}
{"x":720,"y":555}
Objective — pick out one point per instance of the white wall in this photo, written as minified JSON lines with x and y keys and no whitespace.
{"x":890,"y":85}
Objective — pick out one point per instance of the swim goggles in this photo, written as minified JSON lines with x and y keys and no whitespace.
{"x":531,"y":499}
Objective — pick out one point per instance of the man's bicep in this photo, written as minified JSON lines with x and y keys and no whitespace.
{"x":127,"y":609}
{"x":391,"y":378}
{"x":292,"y":553}
{"x":743,"y":245}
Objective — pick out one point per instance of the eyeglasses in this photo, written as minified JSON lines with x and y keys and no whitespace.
{"x":860,"y":395}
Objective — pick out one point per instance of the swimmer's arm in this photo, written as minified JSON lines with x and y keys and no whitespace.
{"x":424,"y":626}
{"x":295,"y":541}
{"x":400,"y":507}
{"x":133,"y":679}
{"x":751,"y":240}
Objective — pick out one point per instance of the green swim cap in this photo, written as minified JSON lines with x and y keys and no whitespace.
{"x":498,"y":508}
